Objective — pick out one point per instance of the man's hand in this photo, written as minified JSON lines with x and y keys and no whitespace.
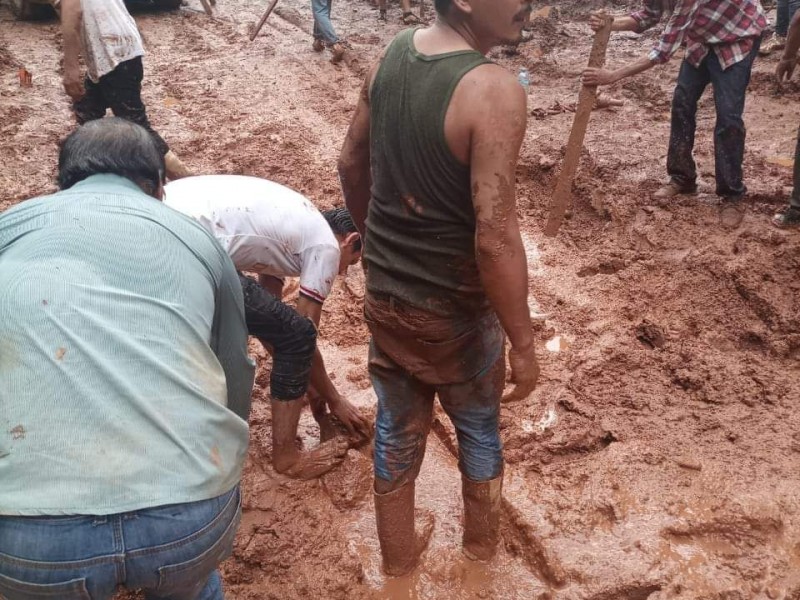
{"x":524,"y":373}
{"x":597,"y":20}
{"x":73,"y":84}
{"x":349,"y":416}
{"x":595,"y":77}
{"x":785,"y":68}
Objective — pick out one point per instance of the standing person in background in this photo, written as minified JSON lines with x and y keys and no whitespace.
{"x":104,"y":32}
{"x":324,"y":33}
{"x":428,"y":172}
{"x":790,"y":217}
{"x":721,"y":38}
{"x":786,"y":9}
{"x":125,"y":384}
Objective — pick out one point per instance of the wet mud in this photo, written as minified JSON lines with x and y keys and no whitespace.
{"x":659,"y":457}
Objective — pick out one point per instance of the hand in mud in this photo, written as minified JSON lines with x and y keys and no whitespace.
{"x":595,"y":77}
{"x":524,"y":373}
{"x":357,"y":424}
{"x":73,"y":85}
{"x":785,"y":69}
{"x":597,"y":20}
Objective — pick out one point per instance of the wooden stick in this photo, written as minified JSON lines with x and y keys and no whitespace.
{"x":586,"y":99}
{"x":263,"y":20}
{"x":207,"y":7}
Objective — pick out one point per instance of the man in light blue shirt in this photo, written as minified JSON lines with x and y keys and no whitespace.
{"x":124,"y":383}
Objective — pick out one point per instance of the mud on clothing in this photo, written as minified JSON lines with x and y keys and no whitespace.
{"x":292,"y":337}
{"x":265,"y":227}
{"x":433,"y":331}
{"x":420,"y":241}
{"x":414,"y":356}
{"x":124,"y":376}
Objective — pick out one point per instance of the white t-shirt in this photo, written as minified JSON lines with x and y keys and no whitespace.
{"x":110,"y":36}
{"x":265,"y":227}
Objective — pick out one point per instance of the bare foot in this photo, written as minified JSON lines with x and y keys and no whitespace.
{"x":317,"y":462}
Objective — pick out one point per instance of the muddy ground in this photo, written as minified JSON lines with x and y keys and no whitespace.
{"x":660,"y":456}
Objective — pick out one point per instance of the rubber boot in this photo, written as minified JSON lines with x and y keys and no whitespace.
{"x":175,"y":167}
{"x":401,"y":545}
{"x":482,"y":506}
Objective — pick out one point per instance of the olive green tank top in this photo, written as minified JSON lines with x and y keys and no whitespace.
{"x":420,"y":242}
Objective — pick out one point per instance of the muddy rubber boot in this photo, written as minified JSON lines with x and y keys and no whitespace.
{"x":175,"y":167}
{"x":482,"y":506}
{"x":401,"y":544}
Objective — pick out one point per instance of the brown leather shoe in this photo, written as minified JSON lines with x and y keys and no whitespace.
{"x":672,"y":189}
{"x":318,"y":45}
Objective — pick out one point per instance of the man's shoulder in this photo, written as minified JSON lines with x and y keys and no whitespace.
{"x":491,"y":89}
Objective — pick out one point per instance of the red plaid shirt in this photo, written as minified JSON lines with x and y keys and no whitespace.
{"x":730,"y":27}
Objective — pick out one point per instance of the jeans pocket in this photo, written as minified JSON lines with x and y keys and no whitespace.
{"x":13,"y":589}
{"x":192,"y":574}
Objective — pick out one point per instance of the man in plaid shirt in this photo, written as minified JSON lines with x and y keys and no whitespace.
{"x":721,"y":38}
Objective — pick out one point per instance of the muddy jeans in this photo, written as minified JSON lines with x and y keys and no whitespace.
{"x":121,"y":91}
{"x":171,"y":552}
{"x":729,"y":86}
{"x":414,"y":356}
{"x":323,"y":28}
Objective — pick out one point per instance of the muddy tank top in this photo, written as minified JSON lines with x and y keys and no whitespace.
{"x":420,"y":242}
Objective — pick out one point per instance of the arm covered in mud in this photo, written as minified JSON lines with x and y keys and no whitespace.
{"x":354,"y":159}
{"x":71,"y":17}
{"x":356,"y":423}
{"x":788,"y":61}
{"x":498,"y":121}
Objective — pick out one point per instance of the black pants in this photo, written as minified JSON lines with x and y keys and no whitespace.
{"x":121,"y":91}
{"x":795,"y":199}
{"x":729,"y":86}
{"x":292,"y":338}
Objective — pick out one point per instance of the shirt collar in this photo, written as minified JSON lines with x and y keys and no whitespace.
{"x":105,"y":182}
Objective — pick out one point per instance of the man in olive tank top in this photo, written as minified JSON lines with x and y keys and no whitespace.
{"x":428,"y":175}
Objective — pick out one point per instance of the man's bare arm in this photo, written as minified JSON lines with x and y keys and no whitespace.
{"x":71,"y":17}
{"x":349,"y":415}
{"x":788,"y":61}
{"x":498,"y":121}
{"x":592,"y":76}
{"x":354,"y":159}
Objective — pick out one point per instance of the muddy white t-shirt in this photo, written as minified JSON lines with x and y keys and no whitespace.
{"x":265,"y":227}
{"x":110,"y":36}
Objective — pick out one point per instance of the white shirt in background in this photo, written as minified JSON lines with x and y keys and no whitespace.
{"x":265,"y":227}
{"x":110,"y":36}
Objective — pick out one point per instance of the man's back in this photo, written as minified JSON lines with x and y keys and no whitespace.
{"x":265,"y":227}
{"x":109,"y":383}
{"x":110,"y":36}
{"x":420,"y":245}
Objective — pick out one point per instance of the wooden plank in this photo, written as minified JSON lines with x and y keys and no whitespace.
{"x":562,"y":195}
{"x":263,"y":20}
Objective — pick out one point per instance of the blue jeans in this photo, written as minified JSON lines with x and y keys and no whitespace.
{"x":415,"y":356}
{"x":171,"y":552}
{"x":323,"y":28}
{"x":786,"y":10}
{"x":729,"y":86}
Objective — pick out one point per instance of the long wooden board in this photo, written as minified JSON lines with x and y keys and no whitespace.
{"x":586,"y":99}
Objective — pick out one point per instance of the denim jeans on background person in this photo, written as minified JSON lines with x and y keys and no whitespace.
{"x":729,"y":87}
{"x":786,"y":10}
{"x":171,"y":552}
{"x":323,"y":28}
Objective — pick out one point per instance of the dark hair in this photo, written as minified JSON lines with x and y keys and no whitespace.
{"x":114,"y":146}
{"x":442,"y":5}
{"x":341,"y":223}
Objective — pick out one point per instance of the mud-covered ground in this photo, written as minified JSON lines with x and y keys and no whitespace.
{"x":660,"y":456}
